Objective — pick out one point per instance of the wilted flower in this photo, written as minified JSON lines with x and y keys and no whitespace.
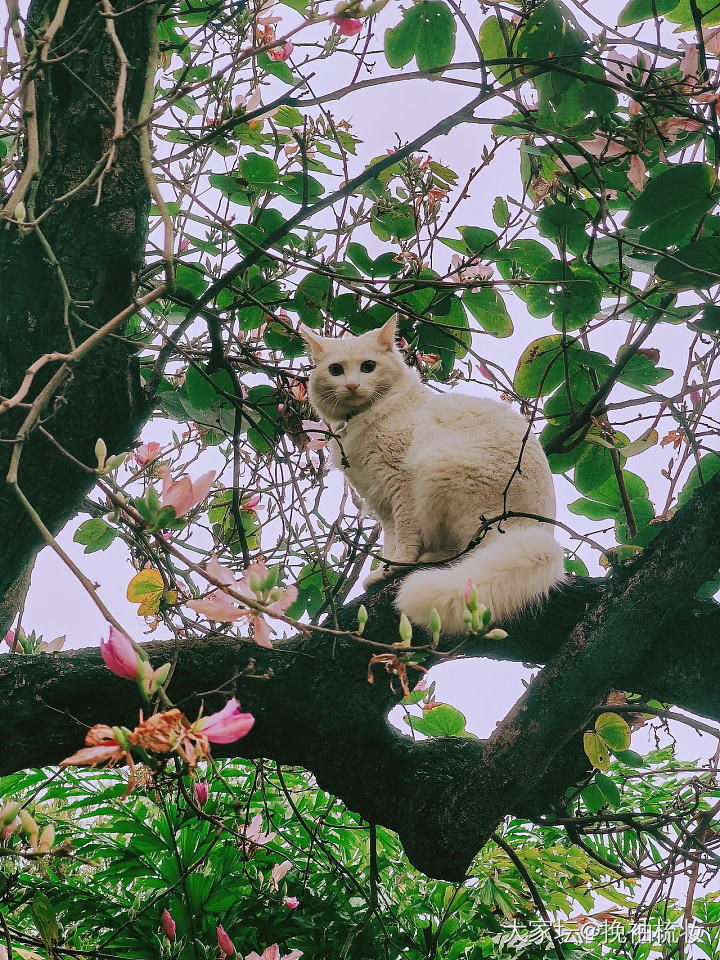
{"x":168,"y":925}
{"x":227,"y":725}
{"x":184,"y":494}
{"x":101,"y":747}
{"x":690,"y":61}
{"x":119,"y":654}
{"x":636,"y":173}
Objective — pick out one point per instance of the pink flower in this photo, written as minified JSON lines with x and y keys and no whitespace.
{"x":695,"y":397}
{"x":183,"y":245}
{"x":147,"y":452}
{"x":202,"y":792}
{"x":636,"y":173}
{"x":168,"y":925}
{"x":278,"y":872}
{"x":227,"y":725}
{"x":253,"y":832}
{"x":184,"y":494}
{"x":273,"y":953}
{"x":298,"y":391}
{"x":316,"y":430}
{"x":261,"y":632}
{"x":225,"y":943}
{"x":347,"y":26}
{"x":218,"y":606}
{"x":281,"y":53}
{"x":119,"y":654}
{"x":291,"y":902}
{"x":252,"y":503}
{"x":468,"y":590}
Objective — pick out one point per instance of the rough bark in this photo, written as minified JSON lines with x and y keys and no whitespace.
{"x":98,"y":249}
{"x":314,"y":706}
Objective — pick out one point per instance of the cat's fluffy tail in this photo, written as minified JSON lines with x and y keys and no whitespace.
{"x":514,"y":571}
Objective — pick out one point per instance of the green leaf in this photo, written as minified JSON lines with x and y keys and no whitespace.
{"x":543,"y":364}
{"x":608,"y":789}
{"x":494,"y":46}
{"x":426,"y":32}
{"x":564,"y":225}
{"x":684,"y":191}
{"x":45,"y":919}
{"x":203,"y":390}
{"x":479,"y":240}
{"x":630,"y":758}
{"x":638,"y":10}
{"x":312,"y":298}
{"x":592,"y":510}
{"x":500,"y":211}
{"x":441,"y":720}
{"x":550,"y":34}
{"x":696,"y":265}
{"x":706,"y":468}
{"x":683,"y":13}
{"x":570,"y":292}
{"x":488,"y":308}
{"x":596,"y":750}
{"x":593,"y":798}
{"x":259,"y":170}
{"x":613,"y":730}
{"x":95,"y":534}
{"x":593,"y":468}
{"x":191,"y":278}
{"x":398,"y":222}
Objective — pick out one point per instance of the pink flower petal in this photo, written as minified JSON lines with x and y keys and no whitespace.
{"x":119,"y":655}
{"x":227,"y":725}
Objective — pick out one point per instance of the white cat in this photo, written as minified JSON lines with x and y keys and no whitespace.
{"x":429,"y":467}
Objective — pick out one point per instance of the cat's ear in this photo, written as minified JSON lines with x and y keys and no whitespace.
{"x":313,"y":341}
{"x":386,"y":334}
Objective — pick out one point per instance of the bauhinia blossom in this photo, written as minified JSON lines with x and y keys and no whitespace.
{"x":291,"y":902}
{"x":184,"y":494}
{"x":147,"y":452}
{"x":278,"y":872}
{"x":227,"y":725}
{"x":316,"y":431}
{"x":273,"y":953}
{"x":119,"y":654}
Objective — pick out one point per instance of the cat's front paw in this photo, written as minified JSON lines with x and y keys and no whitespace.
{"x":376,"y":575}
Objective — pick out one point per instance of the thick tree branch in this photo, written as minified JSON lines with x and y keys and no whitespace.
{"x":88,"y":252}
{"x":445,"y":797}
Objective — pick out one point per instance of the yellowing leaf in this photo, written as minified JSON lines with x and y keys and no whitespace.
{"x":146,"y":588}
{"x":596,"y":750}
{"x":613,"y":730}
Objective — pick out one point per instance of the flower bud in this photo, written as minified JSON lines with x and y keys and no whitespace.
{"x":100,"y":453}
{"x":435,"y":625}
{"x":202,"y":792}
{"x":9,"y":812}
{"x":495,"y":634}
{"x":20,"y":213}
{"x":362,"y":618}
{"x":47,"y":839}
{"x":405,"y":630}
{"x":225,"y":943}
{"x":168,"y":925}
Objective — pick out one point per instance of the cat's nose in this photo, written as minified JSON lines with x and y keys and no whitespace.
{"x":352,"y":386}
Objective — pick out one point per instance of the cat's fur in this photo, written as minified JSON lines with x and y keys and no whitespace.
{"x":430,"y":466}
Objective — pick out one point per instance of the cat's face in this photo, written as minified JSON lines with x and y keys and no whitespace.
{"x":352,"y":373}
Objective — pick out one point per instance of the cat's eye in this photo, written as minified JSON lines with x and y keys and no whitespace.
{"x":367,"y":366}
{"x":335,"y":369}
